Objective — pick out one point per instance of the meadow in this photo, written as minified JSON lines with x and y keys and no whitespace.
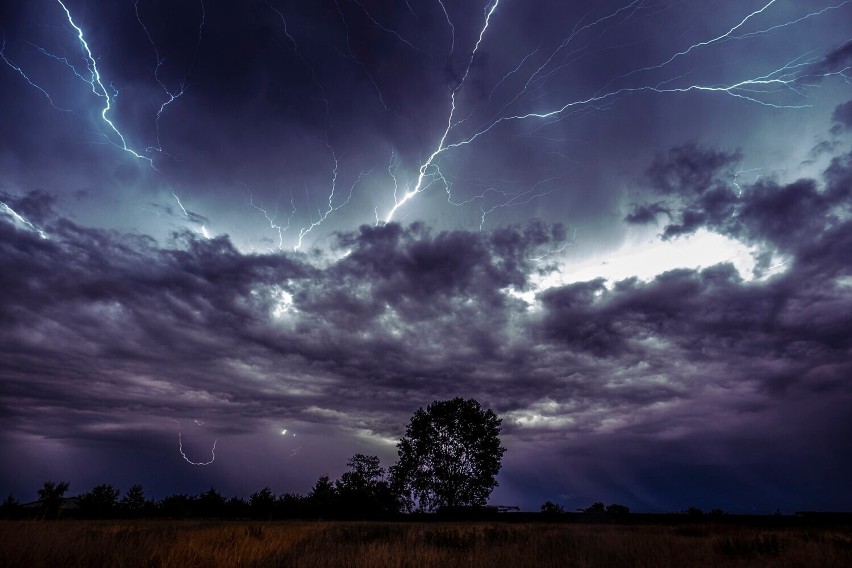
{"x":193,"y":543}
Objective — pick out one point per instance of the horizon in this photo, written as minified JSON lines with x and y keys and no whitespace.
{"x":240,"y":244}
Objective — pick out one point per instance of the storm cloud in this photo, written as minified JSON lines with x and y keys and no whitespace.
{"x":99,"y":325}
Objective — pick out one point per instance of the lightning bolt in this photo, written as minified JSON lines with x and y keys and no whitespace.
{"x":555,"y":251}
{"x":565,"y":42}
{"x":21,"y":220}
{"x":171,"y":96}
{"x":27,"y":78}
{"x":779,"y":89}
{"x":430,"y":161}
{"x":323,"y":215}
{"x":275,"y":227}
{"x":182,"y":208}
{"x":788,"y":24}
{"x":410,"y":9}
{"x":203,"y":230}
{"x":104,"y":90}
{"x":183,"y":454}
{"x":515,"y":199}
{"x":737,"y":174}
{"x":452,"y":27}
{"x":724,"y":36}
{"x":100,"y":90}
{"x":384,"y":28}
{"x":512,"y":72}
{"x":358,"y":61}
{"x":791,"y":77}
{"x":304,"y":62}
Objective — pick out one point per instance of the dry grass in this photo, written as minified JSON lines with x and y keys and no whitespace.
{"x":349,"y":544}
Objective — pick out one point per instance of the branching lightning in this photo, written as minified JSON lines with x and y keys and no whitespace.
{"x":304,"y":62}
{"x":452,"y":27}
{"x":281,"y":229}
{"x":517,"y":93}
{"x":737,"y":174}
{"x":171,"y":96}
{"x":323,"y":215}
{"x":788,"y":24}
{"x":100,"y":90}
{"x":792,"y":77}
{"x":686,"y":51}
{"x":104,"y":90}
{"x":429,"y":164}
{"x":384,"y":28}
{"x":516,"y":199}
{"x":357,"y":61}
{"x":27,"y":78}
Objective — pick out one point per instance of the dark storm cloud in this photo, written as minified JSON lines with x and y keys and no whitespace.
{"x":843,"y":117}
{"x":690,"y":168}
{"x":180,"y":316}
{"x":835,"y":60}
{"x":705,"y":194}
{"x":101,"y":327}
{"x":646,"y":213}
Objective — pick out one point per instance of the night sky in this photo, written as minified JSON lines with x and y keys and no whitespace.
{"x":624,"y":226}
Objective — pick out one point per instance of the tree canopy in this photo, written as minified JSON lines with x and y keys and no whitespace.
{"x":50,"y":498}
{"x":449,"y":456}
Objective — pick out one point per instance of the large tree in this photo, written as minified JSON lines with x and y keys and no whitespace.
{"x":449,"y":456}
{"x":50,"y":498}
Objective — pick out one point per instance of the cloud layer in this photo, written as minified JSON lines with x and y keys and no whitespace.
{"x":105,"y":332}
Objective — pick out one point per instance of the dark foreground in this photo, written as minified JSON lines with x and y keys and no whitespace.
{"x":153,"y":543}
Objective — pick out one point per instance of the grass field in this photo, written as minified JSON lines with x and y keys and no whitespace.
{"x":155,"y":543}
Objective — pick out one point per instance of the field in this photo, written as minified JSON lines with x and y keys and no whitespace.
{"x":156,"y":543}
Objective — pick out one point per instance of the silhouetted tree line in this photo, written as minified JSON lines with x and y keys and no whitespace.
{"x":551,"y":509}
{"x":449,"y":457}
{"x":362,"y":492}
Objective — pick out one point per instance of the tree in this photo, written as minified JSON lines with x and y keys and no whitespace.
{"x":210,"y":504}
{"x":11,"y":508}
{"x":262,"y":503}
{"x":99,"y":502}
{"x":551,"y":509}
{"x":362,"y":491}
{"x":236,"y":507}
{"x":292,"y":505}
{"x":449,"y":456}
{"x":617,"y":510}
{"x":364,"y":473}
{"x":322,"y":498}
{"x":177,"y":505}
{"x":596,"y":507}
{"x":50,"y":498}
{"x":134,"y":500}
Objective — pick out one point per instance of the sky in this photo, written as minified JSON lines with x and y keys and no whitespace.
{"x":242,"y":241}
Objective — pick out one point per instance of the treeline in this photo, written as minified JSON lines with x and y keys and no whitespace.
{"x":362,"y":492}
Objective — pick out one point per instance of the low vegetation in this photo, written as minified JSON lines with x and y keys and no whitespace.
{"x":160,"y":543}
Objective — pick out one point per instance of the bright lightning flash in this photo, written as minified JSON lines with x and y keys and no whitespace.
{"x":791,"y":77}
